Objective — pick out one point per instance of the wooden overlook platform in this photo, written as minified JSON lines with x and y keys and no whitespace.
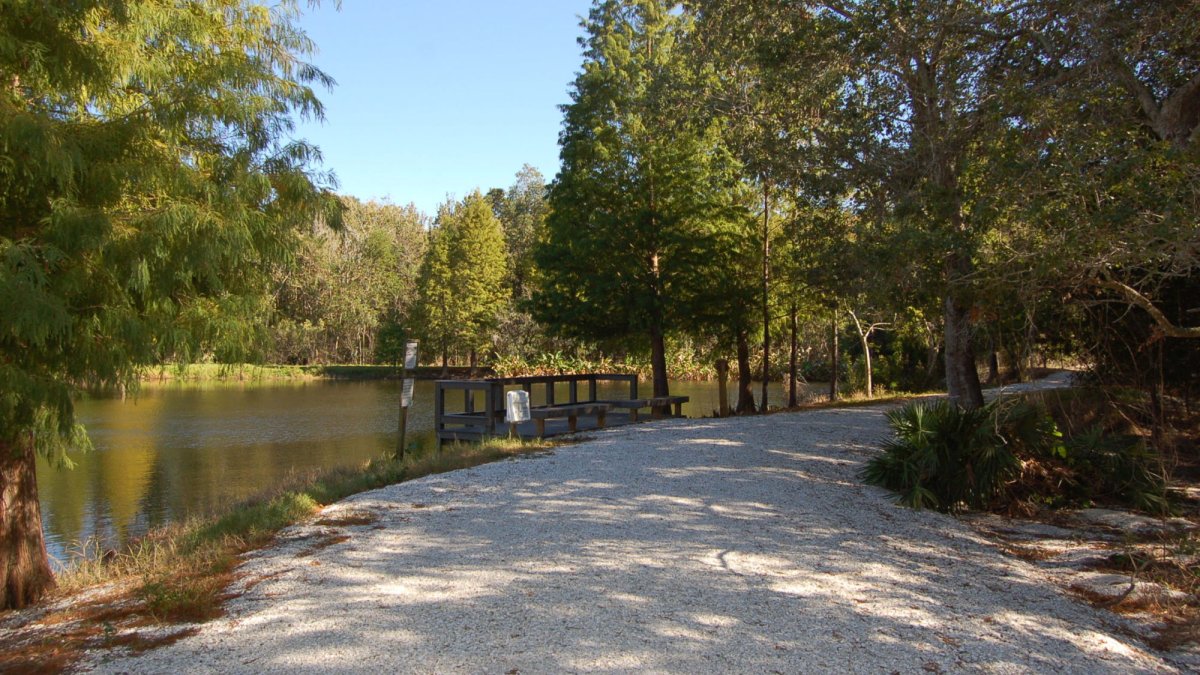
{"x":483,"y":406}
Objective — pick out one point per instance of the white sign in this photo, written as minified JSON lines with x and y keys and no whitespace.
{"x":410,"y":355}
{"x":406,"y":392}
{"x":517,"y":409}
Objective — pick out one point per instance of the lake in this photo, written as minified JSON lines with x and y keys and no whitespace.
{"x":179,"y":451}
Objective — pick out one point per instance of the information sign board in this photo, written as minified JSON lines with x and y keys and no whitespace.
{"x":517,"y":409}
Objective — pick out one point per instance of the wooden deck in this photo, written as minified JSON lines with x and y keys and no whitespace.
{"x":481,"y":414}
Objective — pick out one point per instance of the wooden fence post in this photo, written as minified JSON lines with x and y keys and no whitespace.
{"x":722,"y":385}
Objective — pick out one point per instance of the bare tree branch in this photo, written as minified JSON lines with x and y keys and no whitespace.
{"x":1133,"y":296}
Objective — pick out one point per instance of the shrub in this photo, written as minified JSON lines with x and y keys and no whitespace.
{"x":948,"y":458}
{"x":1118,"y":467}
{"x":1011,"y":453}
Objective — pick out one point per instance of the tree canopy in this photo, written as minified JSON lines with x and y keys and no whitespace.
{"x":644,"y":189}
{"x":148,"y":184}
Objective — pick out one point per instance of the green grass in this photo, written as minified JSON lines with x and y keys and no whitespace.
{"x":217,"y":374}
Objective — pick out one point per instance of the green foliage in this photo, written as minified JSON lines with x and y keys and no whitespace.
{"x":145,"y":193}
{"x":254,"y":520}
{"x":462,"y":279}
{"x":522,"y":213}
{"x":949,"y":458}
{"x":635,"y":239}
{"x":349,"y":288}
{"x":1117,"y":467}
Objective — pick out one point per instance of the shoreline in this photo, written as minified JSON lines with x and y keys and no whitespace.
{"x":682,"y":569}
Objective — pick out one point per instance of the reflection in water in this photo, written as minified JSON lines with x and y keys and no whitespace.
{"x":175,"y":452}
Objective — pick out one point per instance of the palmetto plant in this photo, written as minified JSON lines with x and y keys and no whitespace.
{"x":949,"y":458}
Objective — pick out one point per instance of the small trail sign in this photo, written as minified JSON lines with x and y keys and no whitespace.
{"x":406,"y":393}
{"x":517,"y":409}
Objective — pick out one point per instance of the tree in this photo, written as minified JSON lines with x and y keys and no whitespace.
{"x":765,"y":135}
{"x":523,"y":215}
{"x":434,"y":318}
{"x":462,"y":280}
{"x":348,"y":286}
{"x":904,"y":97}
{"x":1104,"y":105}
{"x":643,"y":189}
{"x":147,"y":186}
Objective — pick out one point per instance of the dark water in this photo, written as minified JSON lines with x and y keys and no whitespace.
{"x":175,"y":452}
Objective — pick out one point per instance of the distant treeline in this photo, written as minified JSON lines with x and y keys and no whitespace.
{"x":882,"y":194}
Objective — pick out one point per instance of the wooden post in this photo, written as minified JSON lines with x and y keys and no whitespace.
{"x":439,"y":411}
{"x":722,"y":385}
{"x":592,"y":388}
{"x":489,"y":409}
{"x":573,"y":391}
{"x":550,"y":391}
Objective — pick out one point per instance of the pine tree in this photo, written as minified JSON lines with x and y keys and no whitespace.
{"x":147,"y":187}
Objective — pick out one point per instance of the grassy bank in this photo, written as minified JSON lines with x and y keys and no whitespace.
{"x":217,"y":373}
{"x":181,"y":573}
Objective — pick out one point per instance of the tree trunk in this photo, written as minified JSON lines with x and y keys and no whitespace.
{"x":866,"y":345}
{"x":793,"y":371}
{"x":864,"y":340}
{"x":745,"y":397}
{"x":833,"y":357}
{"x":445,"y":362}
{"x":962,"y":379}
{"x":474,"y":361}
{"x":766,"y":294}
{"x":993,"y":377}
{"x":26,"y":566}
{"x":931,"y":355}
{"x":722,"y":387}
{"x":658,"y":364}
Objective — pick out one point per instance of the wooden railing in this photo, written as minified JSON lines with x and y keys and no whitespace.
{"x":472,"y":424}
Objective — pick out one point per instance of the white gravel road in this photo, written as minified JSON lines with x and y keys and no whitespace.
{"x":687,"y":546}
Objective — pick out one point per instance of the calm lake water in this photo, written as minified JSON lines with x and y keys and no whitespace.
{"x":175,"y":452}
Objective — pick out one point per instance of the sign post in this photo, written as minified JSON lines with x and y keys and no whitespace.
{"x":406,"y":392}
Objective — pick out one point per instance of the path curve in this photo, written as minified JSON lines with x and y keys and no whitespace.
{"x":688,"y":546}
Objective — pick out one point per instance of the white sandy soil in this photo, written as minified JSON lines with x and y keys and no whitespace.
{"x":687,"y":546}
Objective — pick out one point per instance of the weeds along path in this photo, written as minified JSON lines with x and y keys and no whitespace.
{"x":744,"y":544}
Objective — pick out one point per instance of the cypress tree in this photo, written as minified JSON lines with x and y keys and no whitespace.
{"x":644,"y":194}
{"x":463,"y":278}
{"x":147,"y":187}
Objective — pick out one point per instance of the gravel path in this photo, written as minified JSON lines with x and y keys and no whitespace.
{"x":744,"y":545}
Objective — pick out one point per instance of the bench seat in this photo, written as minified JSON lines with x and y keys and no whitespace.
{"x":571,"y":412}
{"x":654,"y":403}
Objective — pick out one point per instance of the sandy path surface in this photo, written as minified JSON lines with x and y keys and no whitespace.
{"x":739,"y":545}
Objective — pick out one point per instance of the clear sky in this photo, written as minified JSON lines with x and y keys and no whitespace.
{"x":438,"y":98}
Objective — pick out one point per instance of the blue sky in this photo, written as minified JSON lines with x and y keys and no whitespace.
{"x":441,"y":98}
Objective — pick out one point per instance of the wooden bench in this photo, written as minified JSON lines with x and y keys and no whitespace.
{"x":571,"y":412}
{"x":654,"y":403}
